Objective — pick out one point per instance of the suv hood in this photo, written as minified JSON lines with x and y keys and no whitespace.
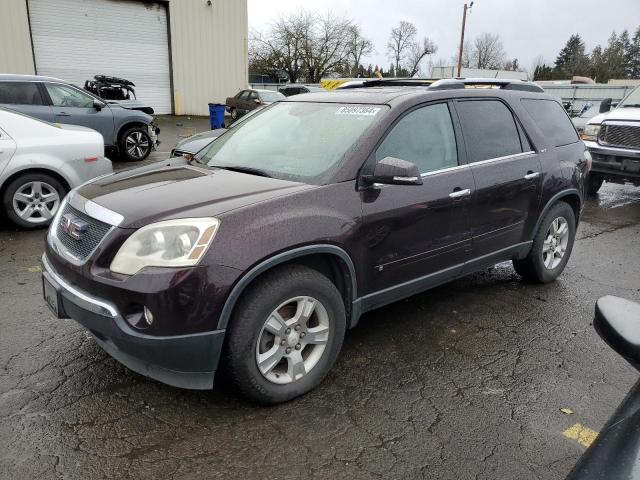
{"x":177,"y":189}
{"x":627,"y":113}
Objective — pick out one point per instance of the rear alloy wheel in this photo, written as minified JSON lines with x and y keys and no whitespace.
{"x":32,"y":200}
{"x":135,"y":145}
{"x":551,"y":247}
{"x":594,"y":182}
{"x":285,"y":334}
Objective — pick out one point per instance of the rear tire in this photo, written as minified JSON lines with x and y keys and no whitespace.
{"x":32,"y":200}
{"x":552,"y":246}
{"x":280,"y":342}
{"x":594,"y":182}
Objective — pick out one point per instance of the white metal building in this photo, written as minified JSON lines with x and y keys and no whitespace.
{"x":181,"y":54}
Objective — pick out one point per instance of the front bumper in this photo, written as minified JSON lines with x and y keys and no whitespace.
{"x":153,"y":133}
{"x":616,"y":162}
{"x":184,"y":361}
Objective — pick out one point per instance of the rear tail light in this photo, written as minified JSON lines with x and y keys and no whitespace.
{"x":90,"y":159}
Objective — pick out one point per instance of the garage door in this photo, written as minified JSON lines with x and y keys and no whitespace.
{"x":77,"y":39}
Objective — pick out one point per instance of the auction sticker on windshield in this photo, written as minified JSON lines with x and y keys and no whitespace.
{"x":359,"y":110}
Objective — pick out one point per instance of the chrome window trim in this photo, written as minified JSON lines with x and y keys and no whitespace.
{"x":80,"y":298}
{"x":443,"y":170}
{"x":499,"y":159}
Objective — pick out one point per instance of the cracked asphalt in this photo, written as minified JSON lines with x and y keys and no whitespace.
{"x":463,"y":382}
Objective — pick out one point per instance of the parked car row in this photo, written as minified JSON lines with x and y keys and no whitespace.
{"x":127,"y":131}
{"x":40,"y":162}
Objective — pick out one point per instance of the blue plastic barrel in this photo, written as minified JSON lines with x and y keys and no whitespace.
{"x":216,"y":115}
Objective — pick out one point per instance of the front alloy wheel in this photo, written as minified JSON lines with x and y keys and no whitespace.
{"x":292,"y":340}
{"x":136,"y":145}
{"x":285,"y":334}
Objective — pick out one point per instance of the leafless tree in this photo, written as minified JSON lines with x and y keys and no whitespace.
{"x":488,"y":52}
{"x":417,"y":53}
{"x":282,"y":48}
{"x":401,"y":42}
{"x":359,"y":47}
{"x":304,"y":45}
{"x":326,"y":46}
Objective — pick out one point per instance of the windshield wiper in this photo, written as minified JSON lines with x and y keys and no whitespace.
{"x":633,"y":105}
{"x":249,"y":170}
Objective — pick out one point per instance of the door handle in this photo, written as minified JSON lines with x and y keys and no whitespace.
{"x":531,"y":175}
{"x":63,"y":114}
{"x":460,"y":193}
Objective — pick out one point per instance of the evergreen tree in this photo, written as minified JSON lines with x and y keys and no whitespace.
{"x":572,"y":59}
{"x":598,"y":65}
{"x":633,"y":60}
{"x":392,"y":71}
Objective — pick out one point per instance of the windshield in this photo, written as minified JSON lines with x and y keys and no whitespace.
{"x":632,"y":100}
{"x":271,"y":96}
{"x":303,"y":142}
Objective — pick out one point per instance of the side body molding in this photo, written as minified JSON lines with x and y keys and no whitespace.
{"x":283,"y":257}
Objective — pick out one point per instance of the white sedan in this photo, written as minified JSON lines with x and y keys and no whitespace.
{"x":40,"y":162}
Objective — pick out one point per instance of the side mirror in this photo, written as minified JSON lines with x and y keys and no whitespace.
{"x":617,"y":321}
{"x":98,"y":105}
{"x":257,"y":101}
{"x":394,"y":171}
{"x":605,"y":105}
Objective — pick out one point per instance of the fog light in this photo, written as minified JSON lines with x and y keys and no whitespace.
{"x":148,"y":316}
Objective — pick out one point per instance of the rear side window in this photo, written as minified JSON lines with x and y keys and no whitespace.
{"x":552,"y":119}
{"x":424,"y":137}
{"x":20,"y":93}
{"x":489,"y":128}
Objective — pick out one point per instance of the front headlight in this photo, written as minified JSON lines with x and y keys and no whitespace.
{"x":591,"y":132}
{"x":173,"y":243}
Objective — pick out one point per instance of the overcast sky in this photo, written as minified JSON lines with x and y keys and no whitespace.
{"x":527,"y":28}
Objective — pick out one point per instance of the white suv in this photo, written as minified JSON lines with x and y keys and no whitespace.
{"x":613,"y":139}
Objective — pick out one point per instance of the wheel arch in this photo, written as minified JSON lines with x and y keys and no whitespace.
{"x":571,"y":196}
{"x":127,"y":126}
{"x":26,"y":171}
{"x":330,"y":260}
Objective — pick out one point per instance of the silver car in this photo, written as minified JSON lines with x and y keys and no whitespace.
{"x":125,"y":128}
{"x":40,"y":162}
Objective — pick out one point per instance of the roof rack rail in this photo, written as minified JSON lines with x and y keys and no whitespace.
{"x":502,"y":83}
{"x":392,"y":82}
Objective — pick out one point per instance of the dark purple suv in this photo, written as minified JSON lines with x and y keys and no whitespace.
{"x":259,"y":253}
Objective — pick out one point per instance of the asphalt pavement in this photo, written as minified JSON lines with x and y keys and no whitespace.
{"x":466,"y":381}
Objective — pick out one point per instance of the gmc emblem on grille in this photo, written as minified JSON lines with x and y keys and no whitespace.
{"x":73,"y":226}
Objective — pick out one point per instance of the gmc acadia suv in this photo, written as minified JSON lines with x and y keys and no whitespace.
{"x":261,"y":251}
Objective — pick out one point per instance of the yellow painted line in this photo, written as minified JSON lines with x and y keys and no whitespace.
{"x":581,"y":434}
{"x":35,"y":269}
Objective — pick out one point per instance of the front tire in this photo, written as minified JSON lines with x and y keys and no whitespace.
{"x":285,"y":335}
{"x":234,"y":114}
{"x":32,"y":200}
{"x":594,"y":182}
{"x":551,"y":247}
{"x":135,"y":145}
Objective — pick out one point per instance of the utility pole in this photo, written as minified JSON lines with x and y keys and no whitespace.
{"x":464,"y":21}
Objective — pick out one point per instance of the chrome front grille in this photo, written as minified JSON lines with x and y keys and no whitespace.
{"x":91,"y":237}
{"x":626,"y":136}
